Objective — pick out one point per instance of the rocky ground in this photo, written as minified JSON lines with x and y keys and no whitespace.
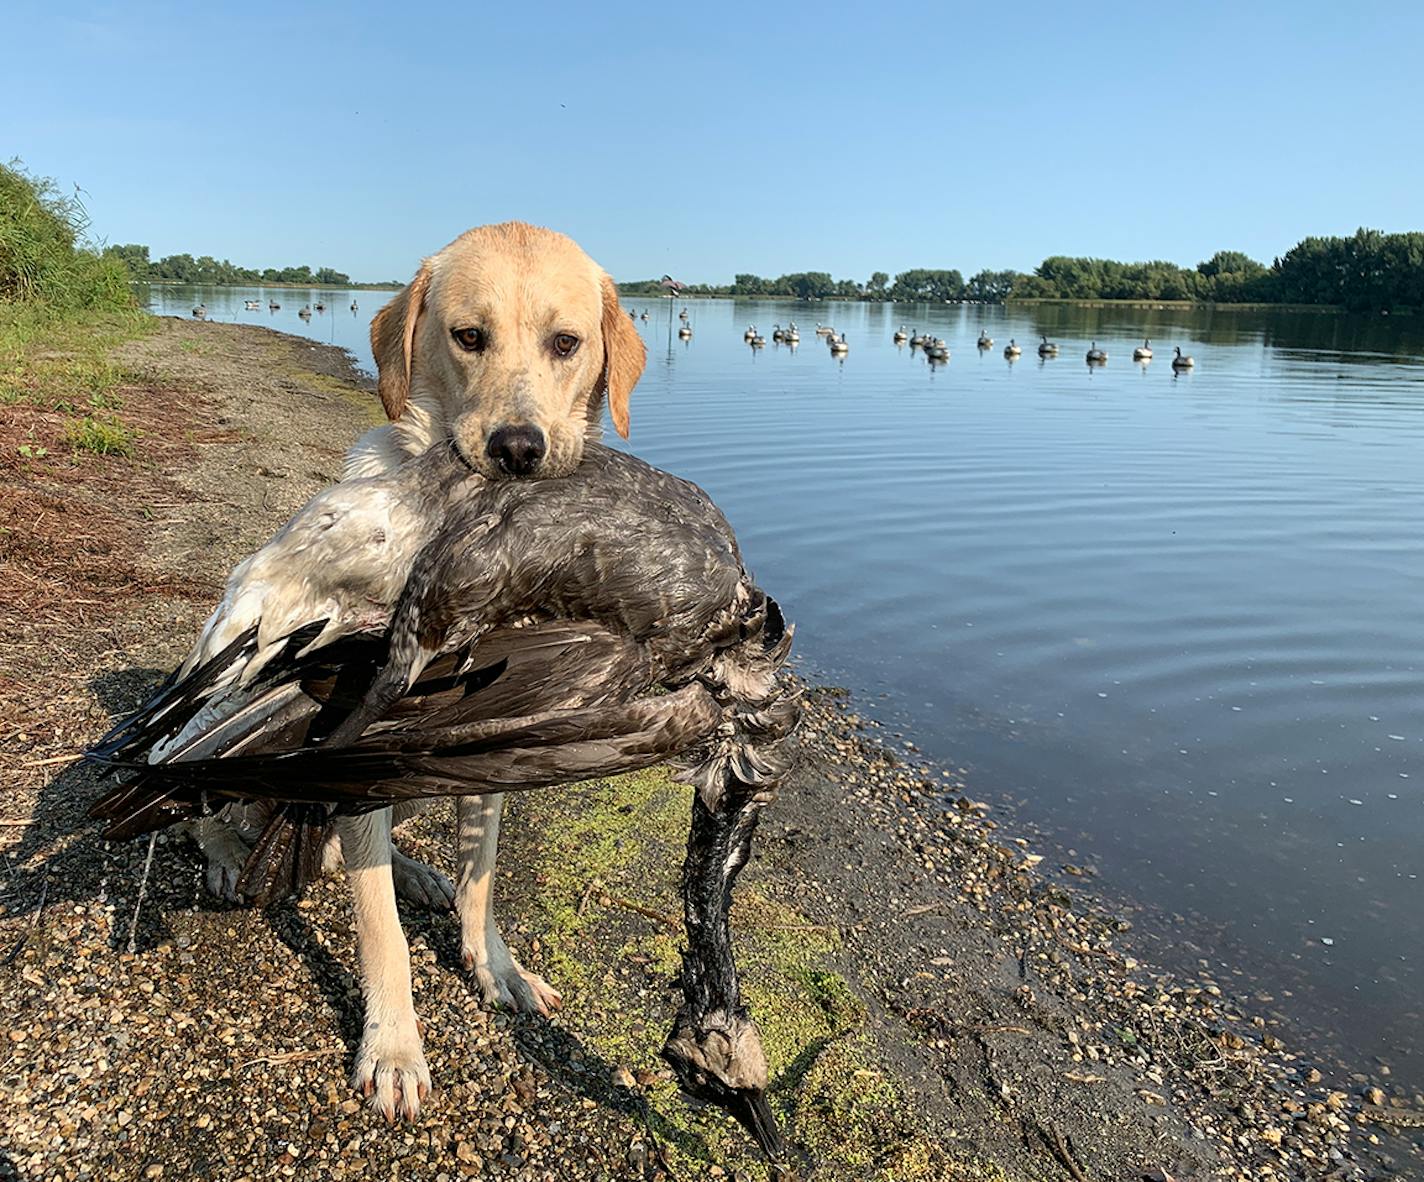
{"x":933,"y":1006}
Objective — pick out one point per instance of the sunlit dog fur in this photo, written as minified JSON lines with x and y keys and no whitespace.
{"x":510,"y":333}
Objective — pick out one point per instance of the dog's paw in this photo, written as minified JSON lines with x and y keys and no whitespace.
{"x":421,"y":884}
{"x":505,"y":983}
{"x":390,"y":1069}
{"x":225,"y":853}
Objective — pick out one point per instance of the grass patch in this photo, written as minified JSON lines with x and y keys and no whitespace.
{"x":610,"y":853}
{"x":103,"y":437}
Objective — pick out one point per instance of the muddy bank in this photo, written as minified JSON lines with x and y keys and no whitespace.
{"x":933,"y":1007}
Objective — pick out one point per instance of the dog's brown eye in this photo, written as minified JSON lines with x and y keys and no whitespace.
{"x":565,"y":344}
{"x":472,"y":340}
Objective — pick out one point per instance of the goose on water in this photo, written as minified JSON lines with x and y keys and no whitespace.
{"x":201,"y":311}
{"x":1013,"y":348}
{"x":685,"y":332}
{"x":751,"y":332}
{"x":304,"y":312}
{"x":919,"y":340}
{"x":824,"y":330}
{"x":1182,"y":360}
{"x":901,"y":336}
{"x":1097,"y":356}
{"x":985,"y":340}
{"x":1047,"y":348}
{"x":758,"y":341}
{"x":790,"y":335}
{"x":839,"y":344}
{"x":1143,"y":352}
{"x":937,"y":350}
{"x":273,"y":306}
{"x":508,"y":635}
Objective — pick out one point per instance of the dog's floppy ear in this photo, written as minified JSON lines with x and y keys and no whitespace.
{"x":623,"y":356}
{"x":393,"y":340}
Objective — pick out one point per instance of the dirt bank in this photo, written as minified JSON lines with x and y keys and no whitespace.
{"x":933,"y":1008}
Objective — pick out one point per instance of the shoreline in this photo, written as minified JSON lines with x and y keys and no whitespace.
{"x":934,"y":1007}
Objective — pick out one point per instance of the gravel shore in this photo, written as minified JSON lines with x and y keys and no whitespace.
{"x":933,"y":1007}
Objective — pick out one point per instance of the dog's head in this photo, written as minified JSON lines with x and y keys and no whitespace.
{"x":509,"y":339}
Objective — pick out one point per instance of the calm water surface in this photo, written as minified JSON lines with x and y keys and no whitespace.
{"x":1176,"y":619}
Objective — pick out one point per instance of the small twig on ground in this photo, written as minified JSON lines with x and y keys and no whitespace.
{"x":50,"y":760}
{"x":142,"y":888}
{"x":628,"y":905}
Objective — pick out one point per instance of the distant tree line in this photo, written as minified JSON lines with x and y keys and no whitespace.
{"x":1369,"y":271}
{"x":184,"y":268}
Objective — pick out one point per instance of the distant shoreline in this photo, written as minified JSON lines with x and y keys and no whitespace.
{"x":1028,"y":301}
{"x":263,"y":283}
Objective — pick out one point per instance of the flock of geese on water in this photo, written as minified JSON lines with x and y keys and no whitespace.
{"x":935,"y":349}
{"x":305,"y":311}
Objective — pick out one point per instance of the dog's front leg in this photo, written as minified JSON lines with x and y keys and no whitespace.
{"x":501,"y":979}
{"x":390,"y":1064}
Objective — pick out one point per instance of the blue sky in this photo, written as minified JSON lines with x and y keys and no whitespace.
{"x":705,"y":139}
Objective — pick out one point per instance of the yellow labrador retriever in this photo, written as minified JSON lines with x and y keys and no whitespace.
{"x":508,"y":341}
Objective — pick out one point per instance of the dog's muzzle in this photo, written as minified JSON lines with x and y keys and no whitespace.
{"x":517,"y":450}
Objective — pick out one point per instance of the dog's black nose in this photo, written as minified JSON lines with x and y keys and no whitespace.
{"x":518,"y":450}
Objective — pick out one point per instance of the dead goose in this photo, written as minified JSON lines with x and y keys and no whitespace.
{"x":985,"y":341}
{"x":503,"y":665}
{"x":1097,"y":356}
{"x":1143,"y":352}
{"x":1182,"y":360}
{"x":1047,"y":348}
{"x":1012,"y":349}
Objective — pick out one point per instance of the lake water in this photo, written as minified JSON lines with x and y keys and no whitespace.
{"x":1176,"y":619}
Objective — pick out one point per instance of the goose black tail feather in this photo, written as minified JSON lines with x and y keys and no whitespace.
{"x":287,"y":855}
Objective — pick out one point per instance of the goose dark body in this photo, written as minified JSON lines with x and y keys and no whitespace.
{"x":548,"y":631}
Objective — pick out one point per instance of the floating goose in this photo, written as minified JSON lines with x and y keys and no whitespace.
{"x":1182,"y":360}
{"x":901,"y":336}
{"x":790,"y":335}
{"x":838,"y":344}
{"x":1047,"y":348}
{"x":321,"y":307}
{"x":824,"y":330}
{"x":541,"y":632}
{"x":685,"y":332}
{"x":1143,"y":352}
{"x":985,"y":340}
{"x":1097,"y":356}
{"x":937,"y":350}
{"x":682,"y":315}
{"x":632,"y":315}
{"x":644,"y":317}
{"x":201,"y":311}
{"x":273,"y":306}
{"x":751,"y":332}
{"x":1012,"y":349}
{"x":353,"y":306}
{"x":304,"y":312}
{"x":919,"y":340}
{"x":757,"y":342}
{"x":252,"y":305}
{"x":776,"y":332}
